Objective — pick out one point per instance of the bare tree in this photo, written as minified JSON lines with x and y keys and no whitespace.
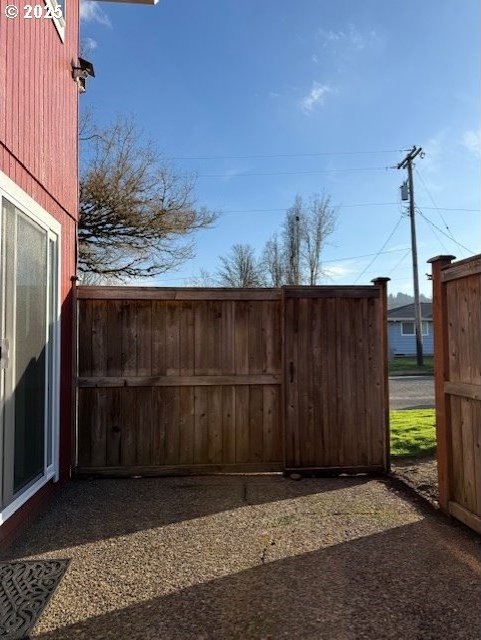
{"x":203,"y":279}
{"x":240,"y":268}
{"x":137,"y":214}
{"x":291,"y":235}
{"x":319,"y":221}
{"x":273,"y":262}
{"x":293,"y":258}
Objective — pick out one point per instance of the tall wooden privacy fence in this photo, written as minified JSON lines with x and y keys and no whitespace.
{"x":457,"y":350}
{"x":201,"y":380}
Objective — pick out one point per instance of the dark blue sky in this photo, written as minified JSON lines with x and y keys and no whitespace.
{"x":252,"y":77}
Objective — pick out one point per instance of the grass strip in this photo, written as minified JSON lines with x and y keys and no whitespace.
{"x":413,"y":432}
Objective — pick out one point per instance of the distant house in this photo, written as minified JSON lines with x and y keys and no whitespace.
{"x":401,"y":330}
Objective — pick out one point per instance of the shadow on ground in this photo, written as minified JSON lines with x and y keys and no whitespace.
{"x":86,"y":511}
{"x":410,"y":582}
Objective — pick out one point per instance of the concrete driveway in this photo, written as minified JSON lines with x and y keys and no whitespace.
{"x":253,"y":557}
{"x":411,"y":392}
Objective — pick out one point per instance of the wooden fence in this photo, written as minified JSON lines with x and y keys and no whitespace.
{"x":457,"y":353}
{"x":209,"y":380}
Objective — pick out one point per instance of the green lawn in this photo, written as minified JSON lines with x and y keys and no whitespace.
{"x":412,"y":432}
{"x":409,"y":364}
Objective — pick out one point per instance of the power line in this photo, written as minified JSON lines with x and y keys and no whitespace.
{"x":347,"y":258}
{"x":366,"y":255}
{"x":334,"y":206}
{"x":288,"y":155}
{"x":398,"y":264}
{"x":380,"y":250}
{"x":434,"y":203}
{"x":454,"y":209}
{"x":339,"y":206}
{"x":451,"y":237}
{"x":434,"y":232}
{"x":289,"y":173}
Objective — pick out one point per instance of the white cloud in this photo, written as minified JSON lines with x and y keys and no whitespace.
{"x":331,"y":36}
{"x":316,"y":96}
{"x":351,"y":37}
{"x":90,"y":11}
{"x":472,"y":141}
{"x":336,"y":271}
{"x":89,"y":44}
{"x":435,"y":150}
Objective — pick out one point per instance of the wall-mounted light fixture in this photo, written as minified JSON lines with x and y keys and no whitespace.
{"x":81,"y":72}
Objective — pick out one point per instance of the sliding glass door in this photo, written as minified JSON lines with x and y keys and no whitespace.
{"x":30,"y":342}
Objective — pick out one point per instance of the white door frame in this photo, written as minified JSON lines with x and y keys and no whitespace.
{"x":19,"y":198}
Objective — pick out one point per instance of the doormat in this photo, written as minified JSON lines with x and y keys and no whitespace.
{"x":25,"y":589}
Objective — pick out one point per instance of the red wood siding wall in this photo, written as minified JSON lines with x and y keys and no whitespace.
{"x":38,"y":107}
{"x":39,"y":152}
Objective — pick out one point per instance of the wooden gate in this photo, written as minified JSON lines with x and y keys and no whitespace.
{"x":335,"y":378}
{"x":457,"y":352}
{"x":192,"y":381}
{"x":175,"y":380}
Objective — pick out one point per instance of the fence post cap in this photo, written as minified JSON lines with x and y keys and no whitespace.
{"x":442,"y":258}
{"x":380,"y":280}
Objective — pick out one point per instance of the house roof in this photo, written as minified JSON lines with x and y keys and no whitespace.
{"x":406,"y":312}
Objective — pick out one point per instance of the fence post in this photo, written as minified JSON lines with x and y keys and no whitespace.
{"x":382,"y":284}
{"x":441,"y":374}
{"x":74,"y":375}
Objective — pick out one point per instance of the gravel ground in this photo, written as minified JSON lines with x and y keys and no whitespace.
{"x":254,"y":557}
{"x":419,"y":473}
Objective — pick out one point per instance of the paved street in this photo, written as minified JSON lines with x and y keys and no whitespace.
{"x":411,"y":392}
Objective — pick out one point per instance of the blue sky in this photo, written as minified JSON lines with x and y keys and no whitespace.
{"x":355,"y":82}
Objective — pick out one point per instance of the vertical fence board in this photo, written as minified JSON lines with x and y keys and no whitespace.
{"x":113,"y":428}
{"x":215,"y":425}
{"x":158,"y":338}
{"x":228,"y":424}
{"x":186,"y":425}
{"x":241,"y":337}
{"x":242,"y":424}
{"x":157,"y":447}
{"x":171,"y":425}
{"x":114,"y":338}
{"x":144,"y":338}
{"x":129,"y":428}
{"x":143,"y":426}
{"x":129,"y":339}
{"x":98,"y":440}
{"x":256,"y":423}
{"x":201,"y":411}
{"x":85,"y":338}
{"x":186,"y":339}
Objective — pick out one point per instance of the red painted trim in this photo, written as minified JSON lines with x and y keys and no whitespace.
{"x":26,"y":514}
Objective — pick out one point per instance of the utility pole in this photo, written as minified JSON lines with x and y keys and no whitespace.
{"x":407,"y":163}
